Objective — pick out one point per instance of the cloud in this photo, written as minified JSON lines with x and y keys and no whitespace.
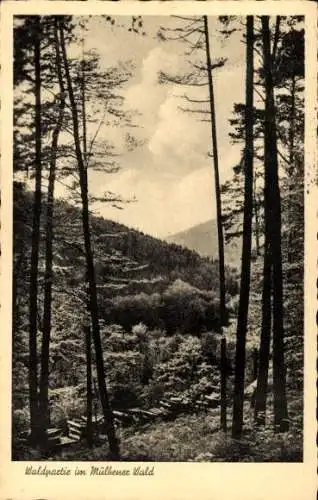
{"x":192,"y":200}
{"x":147,"y":94}
{"x":179,"y":139}
{"x":171,"y":175}
{"x":162,"y":207}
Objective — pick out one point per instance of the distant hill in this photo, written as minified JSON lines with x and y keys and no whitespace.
{"x":127,"y":261}
{"x":203,"y":239}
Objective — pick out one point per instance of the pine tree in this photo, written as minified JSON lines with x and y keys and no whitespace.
{"x":49,"y":237}
{"x":33,"y":288}
{"x":238,"y":396}
{"x":264,"y":351}
{"x":101,"y":375}
{"x":223,"y":314}
{"x":271,"y":165}
{"x":87,"y":329}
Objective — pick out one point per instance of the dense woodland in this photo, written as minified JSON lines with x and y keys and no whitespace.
{"x":126,"y":347}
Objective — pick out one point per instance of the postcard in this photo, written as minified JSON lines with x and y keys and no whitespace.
{"x":158,"y":250}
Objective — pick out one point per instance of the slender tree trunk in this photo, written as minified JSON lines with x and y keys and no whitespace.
{"x":257,"y":231}
{"x":271,"y":164}
{"x":223,"y":313}
{"x":291,"y":167}
{"x":223,"y":385}
{"x":276,"y":38}
{"x":18,"y":265}
{"x":20,"y":254}
{"x":292,"y":125}
{"x":108,"y":415}
{"x":33,"y":289}
{"x":83,"y":83}
{"x":238,"y":398}
{"x":95,"y":397}
{"x":264,"y":352}
{"x":89,"y":394}
{"x":49,"y":237}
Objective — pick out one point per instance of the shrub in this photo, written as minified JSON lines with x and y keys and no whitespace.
{"x":66,"y":403}
{"x":20,"y":421}
{"x":181,"y":307}
{"x":139,"y":330}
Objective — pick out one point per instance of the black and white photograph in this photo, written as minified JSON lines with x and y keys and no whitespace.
{"x":158,"y":192}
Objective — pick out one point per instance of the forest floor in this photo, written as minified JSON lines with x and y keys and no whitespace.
{"x":196,"y":438}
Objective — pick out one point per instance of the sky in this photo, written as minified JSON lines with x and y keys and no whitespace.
{"x":170,"y":174}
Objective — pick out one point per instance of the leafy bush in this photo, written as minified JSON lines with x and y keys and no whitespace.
{"x":186,"y":371}
{"x":258,"y":445}
{"x":181,"y":307}
{"x":124,"y":361}
{"x":20,"y":421}
{"x":67,"y":403}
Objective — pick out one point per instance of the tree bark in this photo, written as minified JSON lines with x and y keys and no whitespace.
{"x":89,"y":394}
{"x":33,"y":288}
{"x":256,"y":214}
{"x":49,"y":237}
{"x":83,"y":83}
{"x":238,"y":397}
{"x":223,"y":313}
{"x":19,"y":264}
{"x":264,"y":352}
{"x":291,"y":169}
{"x":108,"y":416}
{"x":276,"y":38}
{"x":223,"y":385}
{"x":271,"y":165}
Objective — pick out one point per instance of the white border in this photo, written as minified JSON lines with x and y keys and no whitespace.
{"x":216,"y":481}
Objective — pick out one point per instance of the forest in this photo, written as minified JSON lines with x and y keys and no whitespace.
{"x":126,"y":347}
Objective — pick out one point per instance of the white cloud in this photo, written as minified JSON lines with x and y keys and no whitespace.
{"x":162,"y":208}
{"x":147,"y":94}
{"x":178,"y":138}
{"x":171,"y":175}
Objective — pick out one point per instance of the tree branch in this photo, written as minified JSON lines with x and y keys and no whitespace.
{"x":276,"y":38}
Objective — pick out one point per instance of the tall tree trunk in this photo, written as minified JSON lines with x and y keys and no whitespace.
{"x":238,"y":398}
{"x":256,"y":215}
{"x":18,"y":264}
{"x":271,"y":165}
{"x":108,"y":415}
{"x":223,"y":385}
{"x":83,"y":83}
{"x":276,"y":38}
{"x":49,"y":237}
{"x":264,"y":351}
{"x":291,"y":169}
{"x":223,"y":313}
{"x":291,"y":132}
{"x":33,"y":289}
{"x":89,"y":394}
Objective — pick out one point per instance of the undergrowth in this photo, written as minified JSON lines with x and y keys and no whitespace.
{"x":197,"y":438}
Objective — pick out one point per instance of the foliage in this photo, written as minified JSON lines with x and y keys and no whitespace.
{"x":181,"y":307}
{"x":197,"y":438}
